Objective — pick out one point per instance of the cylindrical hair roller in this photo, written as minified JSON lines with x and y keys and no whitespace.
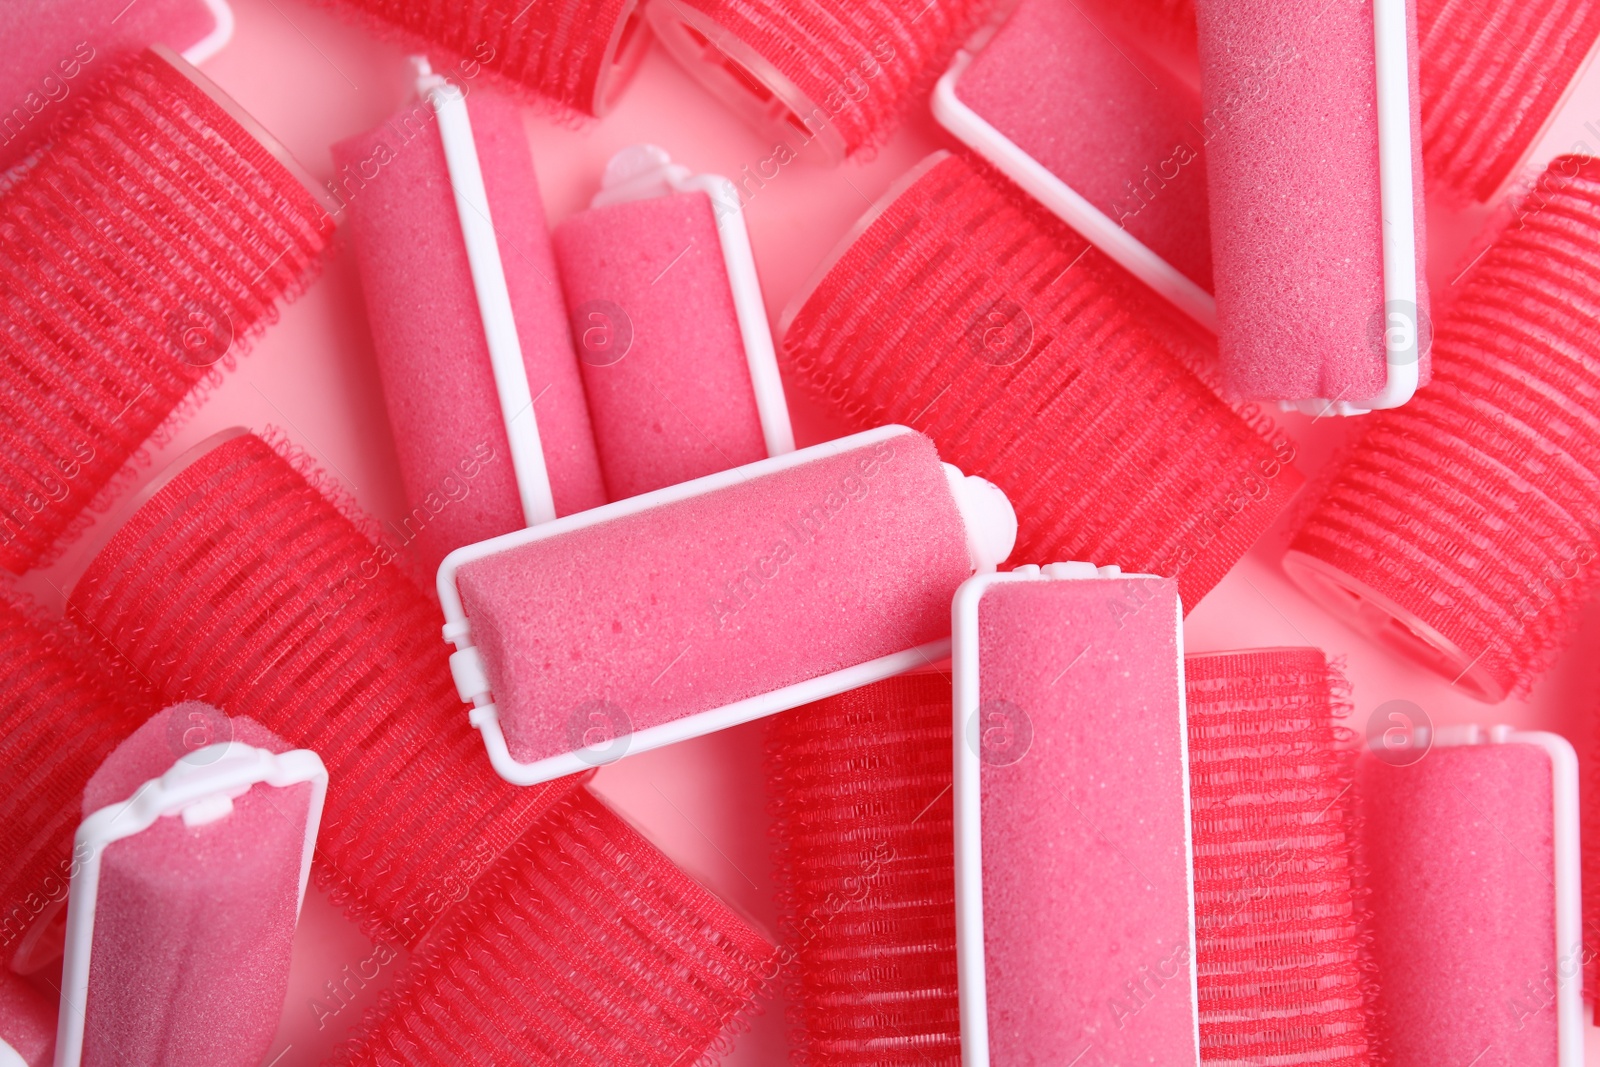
{"x":1315,"y":184}
{"x":1105,"y":138}
{"x":154,"y":236}
{"x":57,"y":49}
{"x":859,"y":788}
{"x":583,"y":944}
{"x":577,"y":54}
{"x":1074,"y":894}
{"x":1472,"y":855}
{"x":1463,"y":529}
{"x":834,"y":72}
{"x":27,"y":1024}
{"x":965,"y":310}
{"x":717,"y":601}
{"x":1284,"y":958}
{"x":192,"y":865}
{"x":668,"y":320}
{"x":477,"y":459}
{"x":239,"y":583}
{"x":61,"y":714}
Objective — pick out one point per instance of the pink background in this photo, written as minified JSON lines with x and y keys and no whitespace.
{"x":313,"y":80}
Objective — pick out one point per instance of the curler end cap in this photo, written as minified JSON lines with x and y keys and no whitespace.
{"x":988,"y":516}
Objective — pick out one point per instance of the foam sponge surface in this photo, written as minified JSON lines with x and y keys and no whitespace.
{"x":1474,"y":511}
{"x":145,"y":248}
{"x":240,"y":583}
{"x":1460,"y":848}
{"x":27,"y":1021}
{"x":1284,"y":956}
{"x":193,"y":926}
{"x":1110,"y":123}
{"x":438,"y":384}
{"x":1086,"y":920}
{"x":664,"y":364}
{"x":695,"y":604}
{"x":584,"y":944}
{"x":860,"y":794}
{"x":966,"y":311}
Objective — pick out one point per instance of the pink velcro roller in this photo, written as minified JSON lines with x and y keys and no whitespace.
{"x":669,"y":322}
{"x":583,"y":944}
{"x":58,"y":48}
{"x":1315,"y":184}
{"x":1463,"y":529}
{"x":713,"y":602}
{"x":577,"y":54}
{"x":1284,"y":951}
{"x":1074,"y":884}
{"x":191,"y":864}
{"x":61,"y":714}
{"x":962,"y":308}
{"x":1100,"y":134}
{"x":1472,"y":851}
{"x":241,"y":581}
{"x":866,"y":893}
{"x":836,"y":73}
{"x":155,"y":236}
{"x":488,"y":412}
{"x":27,"y":1024}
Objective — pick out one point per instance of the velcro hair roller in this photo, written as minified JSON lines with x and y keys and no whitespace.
{"x":1105,"y":138}
{"x":583,"y":944}
{"x":713,"y":602}
{"x":490,"y":423}
{"x":668,"y":319}
{"x":965,"y":310}
{"x":241,"y":584}
{"x":1463,"y":529}
{"x":1321,"y":299}
{"x":1074,"y":882}
{"x":191,"y":864}
{"x":859,"y":786}
{"x":1284,"y":953}
{"x":577,"y":54}
{"x":57,"y":49}
{"x":837,"y":73}
{"x":61,"y":714}
{"x":152,"y":238}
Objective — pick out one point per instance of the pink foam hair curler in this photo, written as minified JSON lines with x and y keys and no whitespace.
{"x":1461,"y":530}
{"x":961,"y":307}
{"x":142,"y":251}
{"x":1074,"y":879}
{"x":185,"y":895}
{"x":243,"y":579}
{"x":27,"y":1024}
{"x":670,"y":326}
{"x":1100,"y":134}
{"x":1315,"y":186}
{"x":713,"y":602}
{"x":834,"y":73}
{"x":582,"y":943}
{"x":490,"y":422}
{"x":860,"y":790}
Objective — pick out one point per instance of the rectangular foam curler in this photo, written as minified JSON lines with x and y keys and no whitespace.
{"x":182,"y":910}
{"x":1074,"y":877}
{"x":1102,"y":136}
{"x":1314,"y":182}
{"x":490,"y":422}
{"x":710,"y":603}
{"x":669,"y":323}
{"x":1473,"y":858}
